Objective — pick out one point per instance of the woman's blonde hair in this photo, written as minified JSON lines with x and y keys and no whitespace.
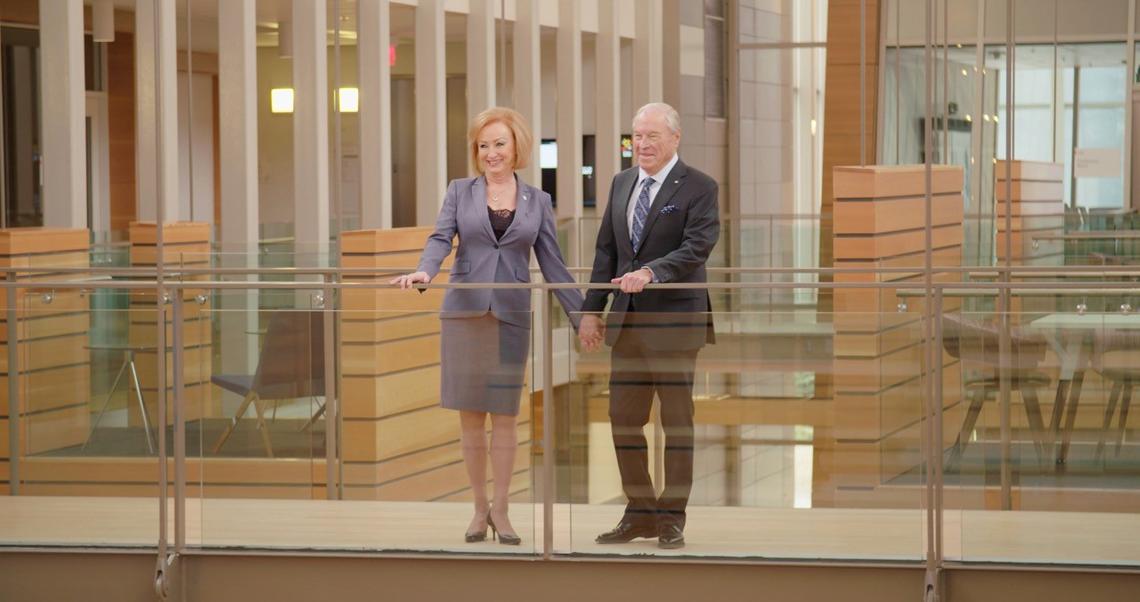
{"x":524,"y":140}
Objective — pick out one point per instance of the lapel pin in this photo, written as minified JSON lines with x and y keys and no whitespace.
{"x":676,"y":181}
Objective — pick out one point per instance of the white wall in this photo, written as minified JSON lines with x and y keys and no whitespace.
{"x":275,"y":140}
{"x":275,"y":131}
{"x":201,"y":208}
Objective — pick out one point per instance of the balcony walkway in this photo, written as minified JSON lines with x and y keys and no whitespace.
{"x":757,"y":533}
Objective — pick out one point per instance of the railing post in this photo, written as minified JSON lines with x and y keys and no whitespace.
{"x":333,"y":482}
{"x":935,"y":485}
{"x":13,"y":391}
{"x":1004,"y":299}
{"x":162,"y":578}
{"x":547,"y":424}
{"x":932,"y":439}
{"x":178,"y":360}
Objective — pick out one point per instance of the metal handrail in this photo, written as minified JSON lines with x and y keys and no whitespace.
{"x":1092,"y":235}
{"x":973,"y":271}
{"x":947,"y":288}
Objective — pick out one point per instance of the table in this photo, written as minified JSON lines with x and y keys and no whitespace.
{"x":1069,"y":335}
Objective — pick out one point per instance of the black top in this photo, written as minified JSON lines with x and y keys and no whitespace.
{"x":500,"y":220}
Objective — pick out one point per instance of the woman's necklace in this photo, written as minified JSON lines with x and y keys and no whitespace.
{"x":495,"y":197}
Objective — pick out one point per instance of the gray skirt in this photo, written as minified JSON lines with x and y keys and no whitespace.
{"x":482,"y":364}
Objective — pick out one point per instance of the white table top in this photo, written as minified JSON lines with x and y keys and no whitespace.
{"x":1088,"y":321}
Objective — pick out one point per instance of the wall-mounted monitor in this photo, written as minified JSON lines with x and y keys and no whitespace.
{"x":548,"y":154}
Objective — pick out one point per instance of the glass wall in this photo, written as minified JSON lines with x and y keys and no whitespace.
{"x":1052,"y":85}
{"x":837,"y":399}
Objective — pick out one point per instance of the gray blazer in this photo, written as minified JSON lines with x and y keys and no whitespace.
{"x":482,"y":258}
{"x":681,"y":229}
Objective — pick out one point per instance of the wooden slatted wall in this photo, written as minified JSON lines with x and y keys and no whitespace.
{"x":53,"y":361}
{"x":880,"y":214}
{"x":185,"y":244}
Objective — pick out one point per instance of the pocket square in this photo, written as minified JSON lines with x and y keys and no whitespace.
{"x":667,"y":209}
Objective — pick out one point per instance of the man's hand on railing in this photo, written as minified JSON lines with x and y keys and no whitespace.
{"x":407,"y":280}
{"x":635,"y":281}
{"x":591,"y":332}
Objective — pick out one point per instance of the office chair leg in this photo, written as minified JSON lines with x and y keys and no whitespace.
{"x":1113,"y":396}
{"x":150,"y":444}
{"x":976,"y":401}
{"x":1123,"y":415}
{"x":313,"y":419}
{"x":1070,"y":416}
{"x":1058,"y":411}
{"x":249,"y":397}
{"x":262,"y":427}
{"x":1036,"y":424}
{"x":106,"y":400}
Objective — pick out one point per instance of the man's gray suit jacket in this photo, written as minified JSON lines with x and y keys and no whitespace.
{"x":681,"y":229}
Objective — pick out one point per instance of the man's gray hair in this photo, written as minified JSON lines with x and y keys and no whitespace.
{"x":672,"y":118}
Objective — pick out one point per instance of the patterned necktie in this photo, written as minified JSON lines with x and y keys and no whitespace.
{"x":640,"y":212}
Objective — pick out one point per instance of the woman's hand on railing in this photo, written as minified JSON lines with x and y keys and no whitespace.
{"x":407,"y":280}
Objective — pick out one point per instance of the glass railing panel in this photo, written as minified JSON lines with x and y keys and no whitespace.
{"x":85,"y":466}
{"x":402,"y":472}
{"x":255,"y":436}
{"x":801,"y":425}
{"x":1055,"y":479}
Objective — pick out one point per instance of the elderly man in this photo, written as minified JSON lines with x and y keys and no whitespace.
{"x":660,"y":225}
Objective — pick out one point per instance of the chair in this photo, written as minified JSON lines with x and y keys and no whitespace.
{"x":291,"y":365}
{"x":976,"y":344}
{"x":1117,"y":359}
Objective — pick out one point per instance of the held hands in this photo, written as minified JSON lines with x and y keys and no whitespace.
{"x":634,"y":282}
{"x":407,"y":280}
{"x":591,"y":332}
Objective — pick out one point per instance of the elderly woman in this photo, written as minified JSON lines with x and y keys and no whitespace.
{"x":485,"y":332}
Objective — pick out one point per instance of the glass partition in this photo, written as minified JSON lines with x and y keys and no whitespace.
{"x":803,"y":436}
{"x":84,"y":471}
{"x":793,"y":419}
{"x":1041,"y":452}
{"x":806,"y":433}
{"x":400,"y":475}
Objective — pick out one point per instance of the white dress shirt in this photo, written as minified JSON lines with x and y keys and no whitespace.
{"x":658,"y":181}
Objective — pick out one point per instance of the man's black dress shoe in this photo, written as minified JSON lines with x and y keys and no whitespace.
{"x":670,"y":537}
{"x":627,"y":531}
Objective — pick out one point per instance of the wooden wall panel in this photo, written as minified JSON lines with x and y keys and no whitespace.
{"x":1037,"y":208}
{"x":121,"y":129}
{"x":185,"y":244}
{"x":53,"y":368}
{"x":841,"y":103}
{"x":26,"y":12}
{"x":879,"y":369}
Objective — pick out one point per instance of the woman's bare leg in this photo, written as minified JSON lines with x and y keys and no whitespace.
{"x":504,"y":447}
{"x":474,"y":442}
